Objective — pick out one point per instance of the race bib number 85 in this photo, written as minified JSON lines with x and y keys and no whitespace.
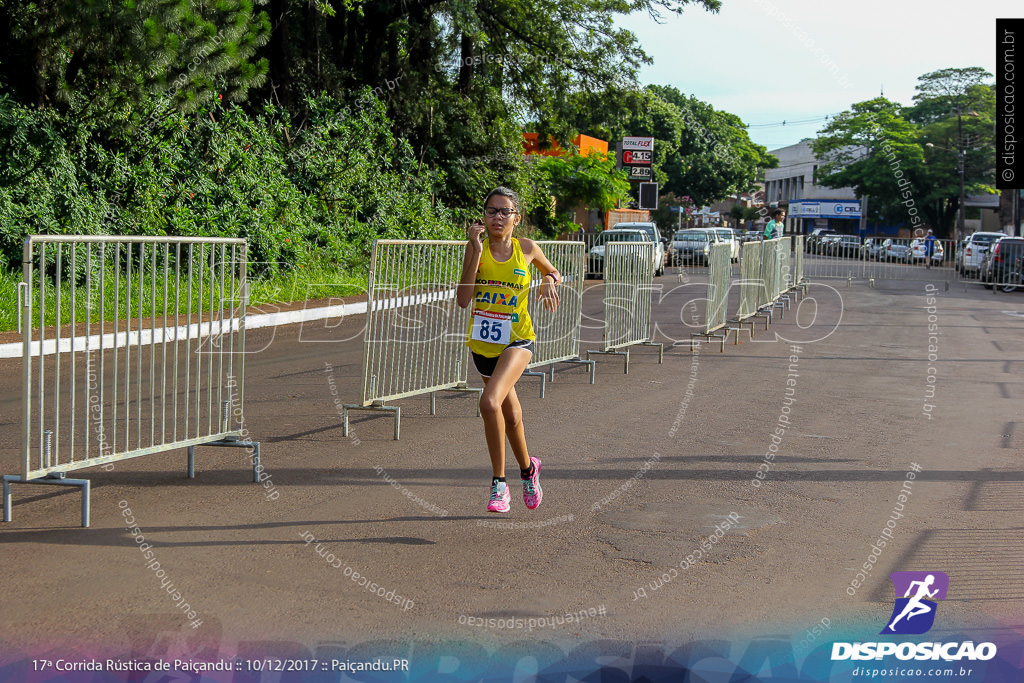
{"x":493,"y":328}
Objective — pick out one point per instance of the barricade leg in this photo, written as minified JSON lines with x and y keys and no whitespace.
{"x":56,"y":480}
{"x":592,"y":364}
{"x":661,"y":349}
{"x":708,"y":336}
{"x":543,"y":379}
{"x":395,"y":410}
{"x":231,"y":442}
{"x":740,"y":328}
{"x":479,"y":391}
{"x":624,"y":354}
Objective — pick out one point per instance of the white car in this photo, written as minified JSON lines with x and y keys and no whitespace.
{"x":973,"y":249}
{"x":919,"y":251}
{"x":652,"y":231}
{"x":727,"y":235}
{"x":896,"y":251}
{"x":595,"y":257}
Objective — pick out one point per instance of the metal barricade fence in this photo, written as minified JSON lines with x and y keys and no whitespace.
{"x":628,"y":291}
{"x":769,"y":273}
{"x":719,"y":279}
{"x":414,"y":341}
{"x":717,"y":298}
{"x":138,"y":345}
{"x":784,"y":280}
{"x":879,"y":258}
{"x":558,"y":332}
{"x":798,"y":260}
{"x":751,"y":282}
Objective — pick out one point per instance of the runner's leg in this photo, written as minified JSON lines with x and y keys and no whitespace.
{"x":497,"y":390}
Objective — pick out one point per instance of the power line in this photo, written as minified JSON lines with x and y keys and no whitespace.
{"x":781,"y":124}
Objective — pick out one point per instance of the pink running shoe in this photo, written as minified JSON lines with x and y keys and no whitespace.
{"x":532,"y":494}
{"x":500,"y":498}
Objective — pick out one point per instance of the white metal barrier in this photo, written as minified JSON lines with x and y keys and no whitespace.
{"x":849,"y":258}
{"x":629,"y":277}
{"x":784,"y":282}
{"x":769,"y":273}
{"x":558,"y":332}
{"x":717,"y":299}
{"x":798,"y":260}
{"x":414,"y":341}
{"x":130,"y":346}
{"x":751,"y":283}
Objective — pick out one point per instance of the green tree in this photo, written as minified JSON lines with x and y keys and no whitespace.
{"x":698,"y":151}
{"x":907,"y":158}
{"x":715,"y":157}
{"x":100,"y":60}
{"x":590,"y":181}
{"x":876,"y":151}
{"x":956,"y":110}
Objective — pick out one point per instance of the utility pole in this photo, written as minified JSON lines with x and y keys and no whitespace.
{"x":960,"y":232}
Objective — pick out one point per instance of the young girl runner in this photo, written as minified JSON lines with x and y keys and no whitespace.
{"x":496,"y":281}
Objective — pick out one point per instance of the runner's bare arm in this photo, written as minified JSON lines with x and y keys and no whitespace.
{"x":470,"y":264}
{"x":550,"y":277}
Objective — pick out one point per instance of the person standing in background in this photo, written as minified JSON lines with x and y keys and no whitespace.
{"x":776,"y":225}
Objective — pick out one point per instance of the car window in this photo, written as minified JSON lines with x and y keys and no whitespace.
{"x":619,"y":236}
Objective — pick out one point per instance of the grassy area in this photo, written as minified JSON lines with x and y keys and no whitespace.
{"x":268,"y":289}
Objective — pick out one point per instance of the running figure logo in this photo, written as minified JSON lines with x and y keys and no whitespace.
{"x":914,"y":613}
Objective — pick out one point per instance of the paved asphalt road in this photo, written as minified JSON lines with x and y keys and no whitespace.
{"x":652,"y":524}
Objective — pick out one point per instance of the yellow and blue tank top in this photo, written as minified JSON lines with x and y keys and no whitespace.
{"x":499,"y":315}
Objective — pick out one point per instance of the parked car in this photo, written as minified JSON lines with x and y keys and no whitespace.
{"x":843,"y":245}
{"x":659,"y":244}
{"x":812,"y":244}
{"x":825,"y":242}
{"x":595,"y":258}
{"x":1003,"y":264}
{"x":873,"y":248}
{"x":896,"y":251}
{"x":919,"y":251}
{"x":972,"y":251}
{"x":727,"y":235}
{"x":752,"y":236}
{"x":691,"y":247}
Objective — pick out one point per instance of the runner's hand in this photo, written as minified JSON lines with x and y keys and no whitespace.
{"x":549,"y":294}
{"x":475,"y":233}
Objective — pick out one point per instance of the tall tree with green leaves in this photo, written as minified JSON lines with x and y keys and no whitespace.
{"x":955,"y":109}
{"x":876,"y":151}
{"x":98,"y":60}
{"x":715,"y":157}
{"x":573,"y":180}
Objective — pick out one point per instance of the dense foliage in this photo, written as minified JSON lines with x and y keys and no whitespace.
{"x":312,"y":127}
{"x":218,"y":171}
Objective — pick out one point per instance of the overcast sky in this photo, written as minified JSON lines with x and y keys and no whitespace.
{"x":770,"y":61}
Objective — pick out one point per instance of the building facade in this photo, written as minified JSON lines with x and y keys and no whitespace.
{"x":808,"y":206}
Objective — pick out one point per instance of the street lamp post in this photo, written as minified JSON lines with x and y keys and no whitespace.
{"x":961,"y":162}
{"x":960,"y":170}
